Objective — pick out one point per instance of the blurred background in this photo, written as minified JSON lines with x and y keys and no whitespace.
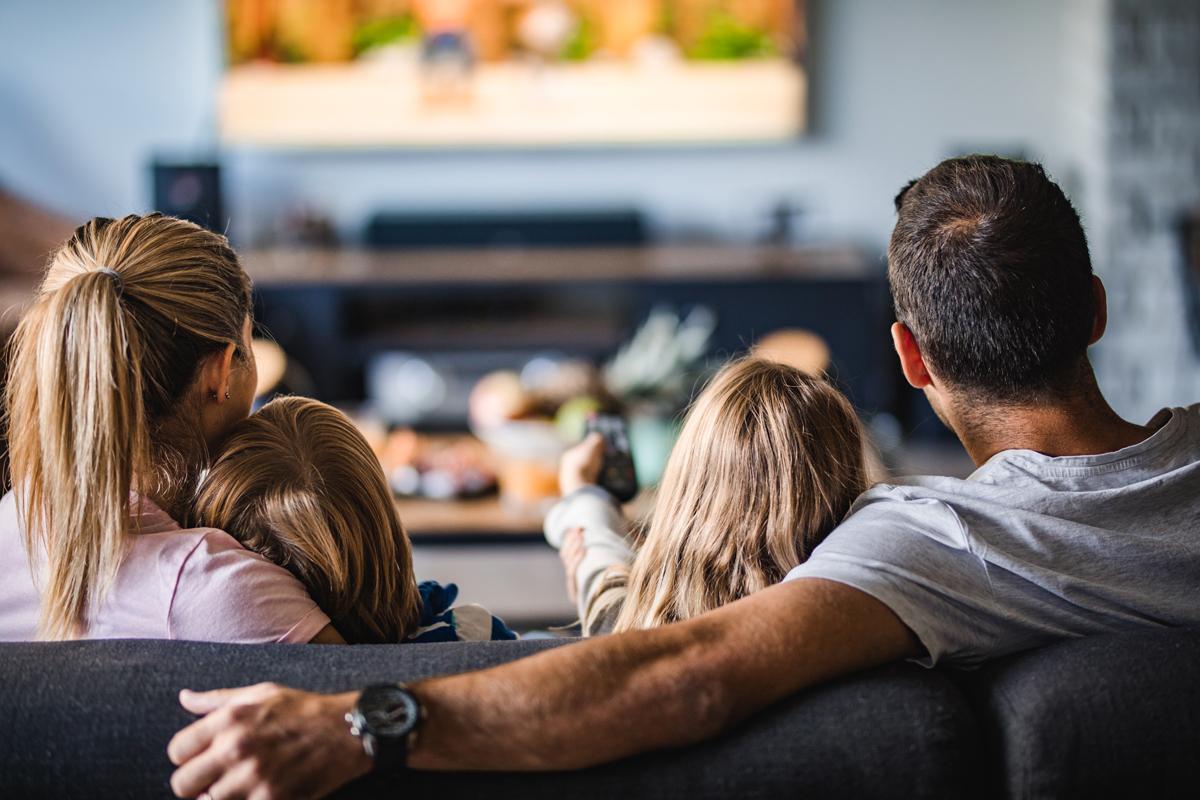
{"x":471,"y":223}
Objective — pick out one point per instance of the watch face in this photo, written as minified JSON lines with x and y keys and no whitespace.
{"x":388,"y":711}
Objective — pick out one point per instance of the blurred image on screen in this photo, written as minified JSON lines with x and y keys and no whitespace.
{"x":499,"y":73}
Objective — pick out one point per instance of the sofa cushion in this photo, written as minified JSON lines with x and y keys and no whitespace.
{"x":1109,"y":716}
{"x":93,"y":719}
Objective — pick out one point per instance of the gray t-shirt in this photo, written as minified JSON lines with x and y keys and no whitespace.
{"x":1030,"y":548}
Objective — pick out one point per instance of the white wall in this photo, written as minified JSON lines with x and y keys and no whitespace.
{"x":89,"y":90}
{"x":1151,"y":179}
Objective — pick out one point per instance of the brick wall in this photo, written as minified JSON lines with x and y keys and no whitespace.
{"x":1149,"y":177}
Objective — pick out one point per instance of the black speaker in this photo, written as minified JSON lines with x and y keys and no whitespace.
{"x":537,"y":228}
{"x":190,"y":191}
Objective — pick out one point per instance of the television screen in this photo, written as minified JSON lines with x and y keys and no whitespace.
{"x":511,"y":73}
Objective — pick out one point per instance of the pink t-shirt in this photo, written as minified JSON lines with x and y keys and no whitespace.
{"x":198,"y":584}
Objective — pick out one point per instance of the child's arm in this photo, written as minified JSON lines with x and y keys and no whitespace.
{"x":604,"y":527}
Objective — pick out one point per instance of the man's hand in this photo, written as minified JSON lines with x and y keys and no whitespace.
{"x":571,"y":554}
{"x":580,"y":466}
{"x":264,"y":742}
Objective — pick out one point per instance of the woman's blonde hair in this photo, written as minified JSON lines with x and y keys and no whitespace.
{"x":768,"y":461}
{"x":127,"y":311}
{"x":299,"y":484}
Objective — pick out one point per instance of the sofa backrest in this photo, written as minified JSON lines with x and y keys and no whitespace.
{"x":93,"y":719}
{"x":1113,"y":716}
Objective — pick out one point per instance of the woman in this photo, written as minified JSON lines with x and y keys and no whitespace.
{"x":768,"y":461}
{"x":132,"y":365}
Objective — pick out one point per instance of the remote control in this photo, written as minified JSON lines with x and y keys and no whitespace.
{"x":617,"y":475}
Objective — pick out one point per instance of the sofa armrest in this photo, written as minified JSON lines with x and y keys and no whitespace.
{"x":1107,"y":716}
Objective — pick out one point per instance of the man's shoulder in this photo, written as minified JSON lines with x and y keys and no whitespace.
{"x":950,"y":511}
{"x":924,"y":505}
{"x":913,"y":490}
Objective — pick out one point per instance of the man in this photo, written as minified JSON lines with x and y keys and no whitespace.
{"x":1077,"y":522}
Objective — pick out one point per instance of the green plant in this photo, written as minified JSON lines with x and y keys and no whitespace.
{"x":726,"y":39}
{"x":583,"y":42}
{"x":289,"y":52}
{"x":384,"y":31}
{"x":668,"y":19}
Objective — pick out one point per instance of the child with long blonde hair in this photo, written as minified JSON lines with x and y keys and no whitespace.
{"x":297,"y":483}
{"x":768,"y":461}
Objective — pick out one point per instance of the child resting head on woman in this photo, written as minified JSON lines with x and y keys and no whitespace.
{"x":298,"y":484}
{"x":768,"y":461}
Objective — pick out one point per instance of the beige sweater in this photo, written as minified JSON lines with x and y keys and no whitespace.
{"x":604,"y":538}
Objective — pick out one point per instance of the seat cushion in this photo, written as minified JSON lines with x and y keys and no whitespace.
{"x":93,"y":719}
{"x":1109,"y":716}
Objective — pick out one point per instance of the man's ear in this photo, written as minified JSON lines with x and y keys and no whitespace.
{"x":911,"y":361}
{"x":1100,"y":321}
{"x":215,"y":373}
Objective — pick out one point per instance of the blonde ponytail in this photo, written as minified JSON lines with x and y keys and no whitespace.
{"x":90,"y":440}
{"x":98,"y":367}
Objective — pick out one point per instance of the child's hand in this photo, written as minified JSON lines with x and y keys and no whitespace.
{"x":572,"y":553}
{"x":580,"y":466}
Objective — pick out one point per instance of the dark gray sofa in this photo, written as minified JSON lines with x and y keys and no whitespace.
{"x":1103,"y":717}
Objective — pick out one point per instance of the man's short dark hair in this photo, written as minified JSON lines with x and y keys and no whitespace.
{"x":989,"y":269}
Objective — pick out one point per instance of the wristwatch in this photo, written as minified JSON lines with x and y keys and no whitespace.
{"x":385,"y":720}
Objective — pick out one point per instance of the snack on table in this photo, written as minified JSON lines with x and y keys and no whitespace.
{"x":437,"y":467}
{"x":498,"y":398}
{"x":527,"y":453}
{"x":571,"y":419}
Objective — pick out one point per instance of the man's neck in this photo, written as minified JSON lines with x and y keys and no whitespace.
{"x":1076,"y":426}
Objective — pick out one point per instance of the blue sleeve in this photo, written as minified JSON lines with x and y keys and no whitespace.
{"x":500,"y":631}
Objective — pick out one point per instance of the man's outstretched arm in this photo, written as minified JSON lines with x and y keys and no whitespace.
{"x":570,"y":707}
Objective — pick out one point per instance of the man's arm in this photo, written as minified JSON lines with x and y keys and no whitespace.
{"x":616,"y":696}
{"x":570,"y":707}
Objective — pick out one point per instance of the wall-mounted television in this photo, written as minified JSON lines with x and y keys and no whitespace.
{"x":511,"y":73}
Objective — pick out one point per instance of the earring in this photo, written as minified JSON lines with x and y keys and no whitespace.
{"x":227,"y":395}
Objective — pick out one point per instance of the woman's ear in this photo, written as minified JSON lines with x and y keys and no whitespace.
{"x":215,"y":374}
{"x":911,"y":361}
